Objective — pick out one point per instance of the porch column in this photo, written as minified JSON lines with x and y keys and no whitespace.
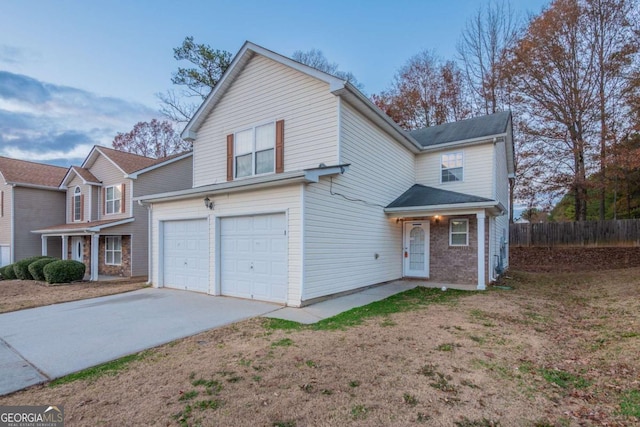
{"x":480,"y":216}
{"x":44,"y":245}
{"x":95,"y":240}
{"x":65,"y":247}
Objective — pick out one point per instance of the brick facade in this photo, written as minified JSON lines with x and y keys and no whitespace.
{"x":123,"y":270}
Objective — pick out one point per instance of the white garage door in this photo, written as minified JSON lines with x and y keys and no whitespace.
{"x":254,"y":257}
{"x":186,"y":255}
{"x":5,"y":256}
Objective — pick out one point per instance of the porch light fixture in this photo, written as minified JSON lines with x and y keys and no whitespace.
{"x":437,"y":219}
{"x":208,"y":203}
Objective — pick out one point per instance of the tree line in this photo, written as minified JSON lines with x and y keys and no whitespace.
{"x":570,"y":75}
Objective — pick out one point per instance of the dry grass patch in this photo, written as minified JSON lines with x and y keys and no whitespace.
{"x":558,"y":350}
{"x":21,"y":294}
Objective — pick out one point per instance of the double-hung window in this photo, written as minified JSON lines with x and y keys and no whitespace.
{"x":459,"y":232}
{"x":77,"y":204}
{"x":452,"y":167}
{"x":113,"y":199}
{"x":113,"y":250}
{"x":254,"y":151}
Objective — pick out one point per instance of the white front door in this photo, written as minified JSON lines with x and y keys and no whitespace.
{"x":77,"y":248}
{"x":416,"y":249}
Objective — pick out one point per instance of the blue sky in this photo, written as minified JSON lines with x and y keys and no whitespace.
{"x":74,"y":73}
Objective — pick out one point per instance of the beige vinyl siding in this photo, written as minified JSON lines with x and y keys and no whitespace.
{"x":109,"y":175}
{"x":478,"y":170}
{"x":95,"y":203}
{"x":86,"y":192}
{"x":172,"y":177}
{"x":36,"y":209}
{"x":284,"y":199}
{"x":267,"y":91}
{"x":5,"y":219}
{"x":342,"y":237}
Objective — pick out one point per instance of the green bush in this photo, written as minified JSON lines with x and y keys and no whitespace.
{"x":64,"y":271}
{"x":8,"y":273}
{"x":21,"y":268}
{"x":36,"y":267}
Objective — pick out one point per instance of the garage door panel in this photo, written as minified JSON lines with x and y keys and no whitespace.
{"x":186,"y":255}
{"x":257,"y":245}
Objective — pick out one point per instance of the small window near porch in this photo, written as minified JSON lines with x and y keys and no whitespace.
{"x":459,"y":232}
{"x":113,"y":250}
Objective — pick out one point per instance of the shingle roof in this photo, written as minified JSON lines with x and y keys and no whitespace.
{"x":421,"y":195}
{"x":477,"y":127}
{"x":128,"y":162}
{"x":85,"y":174}
{"x":25,"y":172}
{"x":82,"y":226}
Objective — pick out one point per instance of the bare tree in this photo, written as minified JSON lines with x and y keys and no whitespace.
{"x":426,"y":91}
{"x":151,"y":139}
{"x":486,"y":38}
{"x":316,"y":59}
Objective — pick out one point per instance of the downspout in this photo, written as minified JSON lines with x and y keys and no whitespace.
{"x":13,"y":225}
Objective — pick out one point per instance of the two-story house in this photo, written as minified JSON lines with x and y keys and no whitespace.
{"x":303,"y":189}
{"x":30,"y":198}
{"x":104,"y":228}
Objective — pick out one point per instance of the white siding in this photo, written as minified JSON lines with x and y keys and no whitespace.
{"x":266,"y":91}
{"x":478,"y":170}
{"x":284,"y":199}
{"x":502,"y":195}
{"x":343,"y":237}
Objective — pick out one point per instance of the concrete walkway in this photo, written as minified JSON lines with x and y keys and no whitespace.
{"x":44,"y":343}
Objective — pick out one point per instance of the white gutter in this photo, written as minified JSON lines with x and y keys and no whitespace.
{"x":471,"y":206}
{"x":463,"y":143}
{"x":36,"y":186}
{"x":267,"y":181}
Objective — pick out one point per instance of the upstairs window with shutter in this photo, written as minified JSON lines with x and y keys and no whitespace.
{"x":77,"y":205}
{"x":256,"y":151}
{"x":113,"y":199}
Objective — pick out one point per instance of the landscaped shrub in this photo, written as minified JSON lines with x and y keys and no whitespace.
{"x":36,"y":267}
{"x":21,"y":268}
{"x":8,"y":273}
{"x":64,"y":271}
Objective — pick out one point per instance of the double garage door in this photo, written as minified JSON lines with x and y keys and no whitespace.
{"x":253,"y":256}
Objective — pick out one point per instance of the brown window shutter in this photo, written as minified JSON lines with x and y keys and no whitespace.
{"x":230,"y":157}
{"x":1,"y":203}
{"x":280,"y":146}
{"x":72,"y":211}
{"x":122,"y":198}
{"x":82,"y":207}
{"x":104,"y":201}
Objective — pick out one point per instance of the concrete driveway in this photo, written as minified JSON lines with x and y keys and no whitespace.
{"x":44,"y":343}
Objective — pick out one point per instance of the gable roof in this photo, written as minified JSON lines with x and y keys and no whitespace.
{"x":84,"y":174}
{"x":422,"y":195}
{"x":464,"y":130}
{"x":126,"y":162}
{"x":28,"y":173}
{"x":337,"y":86}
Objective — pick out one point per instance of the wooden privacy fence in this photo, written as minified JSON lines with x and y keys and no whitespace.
{"x":621,"y":232}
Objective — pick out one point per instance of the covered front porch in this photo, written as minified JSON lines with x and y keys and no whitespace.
{"x":447,"y":237}
{"x":86,"y":242}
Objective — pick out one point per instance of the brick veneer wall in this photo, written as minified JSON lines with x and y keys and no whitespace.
{"x":569,"y":259}
{"x":123,"y":270}
{"x":455,"y":264}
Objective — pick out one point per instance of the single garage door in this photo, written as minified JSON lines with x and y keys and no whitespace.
{"x":186,"y":255}
{"x":254,"y":257}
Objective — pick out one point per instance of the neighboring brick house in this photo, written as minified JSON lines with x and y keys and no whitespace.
{"x":30,"y":197}
{"x":303,"y":189}
{"x":104,"y":228}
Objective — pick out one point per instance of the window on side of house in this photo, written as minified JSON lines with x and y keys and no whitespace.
{"x":459,"y":232}
{"x":452,"y":167}
{"x":254,"y":150}
{"x":77,"y":204}
{"x":113,"y":198}
{"x":113,"y":250}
